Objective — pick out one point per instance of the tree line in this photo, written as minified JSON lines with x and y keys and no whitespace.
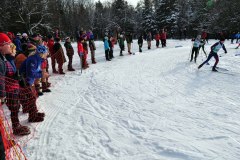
{"x":42,"y":16}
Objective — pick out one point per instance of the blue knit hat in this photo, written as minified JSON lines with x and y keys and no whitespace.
{"x":41,"y":49}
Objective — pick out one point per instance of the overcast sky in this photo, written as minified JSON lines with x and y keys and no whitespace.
{"x":133,"y":2}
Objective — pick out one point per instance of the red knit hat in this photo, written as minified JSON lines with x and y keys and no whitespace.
{"x":4,"y":39}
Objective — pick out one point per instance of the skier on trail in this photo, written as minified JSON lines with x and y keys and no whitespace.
{"x":214,"y":49}
{"x":195,"y":48}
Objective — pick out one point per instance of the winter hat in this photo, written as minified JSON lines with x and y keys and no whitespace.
{"x":10,"y":34}
{"x":18,"y":34}
{"x":4,"y":39}
{"x":31,"y":47}
{"x":199,"y":37}
{"x":24,"y":35}
{"x":41,"y":49}
{"x":67,"y":38}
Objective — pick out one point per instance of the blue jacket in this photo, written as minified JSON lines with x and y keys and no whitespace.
{"x":31,"y":68}
{"x":18,"y":44}
{"x":106,"y":44}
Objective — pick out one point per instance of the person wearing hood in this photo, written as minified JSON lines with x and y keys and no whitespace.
{"x":214,"y":49}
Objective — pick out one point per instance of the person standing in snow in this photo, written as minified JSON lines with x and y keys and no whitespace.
{"x":121,"y":43}
{"x":59,"y":55}
{"x":106,"y":47}
{"x":140,"y":42}
{"x":129,"y":40}
{"x":163,"y":38}
{"x":157,"y":38}
{"x":70,"y":53}
{"x":214,"y":49}
{"x":92,"y":47}
{"x":195,"y":48}
{"x":149,"y":39}
{"x":111,"y":42}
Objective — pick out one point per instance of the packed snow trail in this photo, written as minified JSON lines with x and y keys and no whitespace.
{"x":149,"y":106}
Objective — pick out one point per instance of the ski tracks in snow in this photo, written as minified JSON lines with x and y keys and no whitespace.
{"x":153,"y":105}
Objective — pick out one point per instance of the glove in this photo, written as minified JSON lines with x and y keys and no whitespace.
{"x":81,"y":53}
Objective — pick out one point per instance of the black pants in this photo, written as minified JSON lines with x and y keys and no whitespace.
{"x":194,"y":50}
{"x":163,"y":41}
{"x":111,"y":53}
{"x":121,"y":49}
{"x":70,"y":57}
{"x":157,"y":43}
{"x":107,"y":54}
{"x":2,"y":150}
{"x":212,"y":54}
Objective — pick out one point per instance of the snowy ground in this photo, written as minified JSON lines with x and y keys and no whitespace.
{"x":153,"y":105}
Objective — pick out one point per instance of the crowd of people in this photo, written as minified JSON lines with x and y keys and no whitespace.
{"x":24,"y":66}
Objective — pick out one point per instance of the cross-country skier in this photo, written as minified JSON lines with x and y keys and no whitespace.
{"x":214,"y":49}
{"x":195,"y":48}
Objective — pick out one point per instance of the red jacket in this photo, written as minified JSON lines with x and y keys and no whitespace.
{"x":80,"y":47}
{"x":50,"y":46}
{"x":157,"y":37}
{"x":44,"y":64}
{"x":164,"y":35}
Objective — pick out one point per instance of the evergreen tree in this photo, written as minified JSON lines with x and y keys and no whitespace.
{"x":148,"y":22}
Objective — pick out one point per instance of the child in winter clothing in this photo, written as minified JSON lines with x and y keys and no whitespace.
{"x":149,"y":40}
{"x":81,"y":53}
{"x":121,"y":43}
{"x":50,"y":45}
{"x":85,"y":49}
{"x":31,"y":70}
{"x":129,"y":42}
{"x":163,"y":38}
{"x":70,"y":53}
{"x":59,"y":55}
{"x":157,"y":38}
{"x":9,"y":87}
{"x":214,"y":49}
{"x":92,"y":47}
{"x":106,"y":47}
{"x":195,"y":48}
{"x":111,"y":42}
{"x":140,"y":42}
